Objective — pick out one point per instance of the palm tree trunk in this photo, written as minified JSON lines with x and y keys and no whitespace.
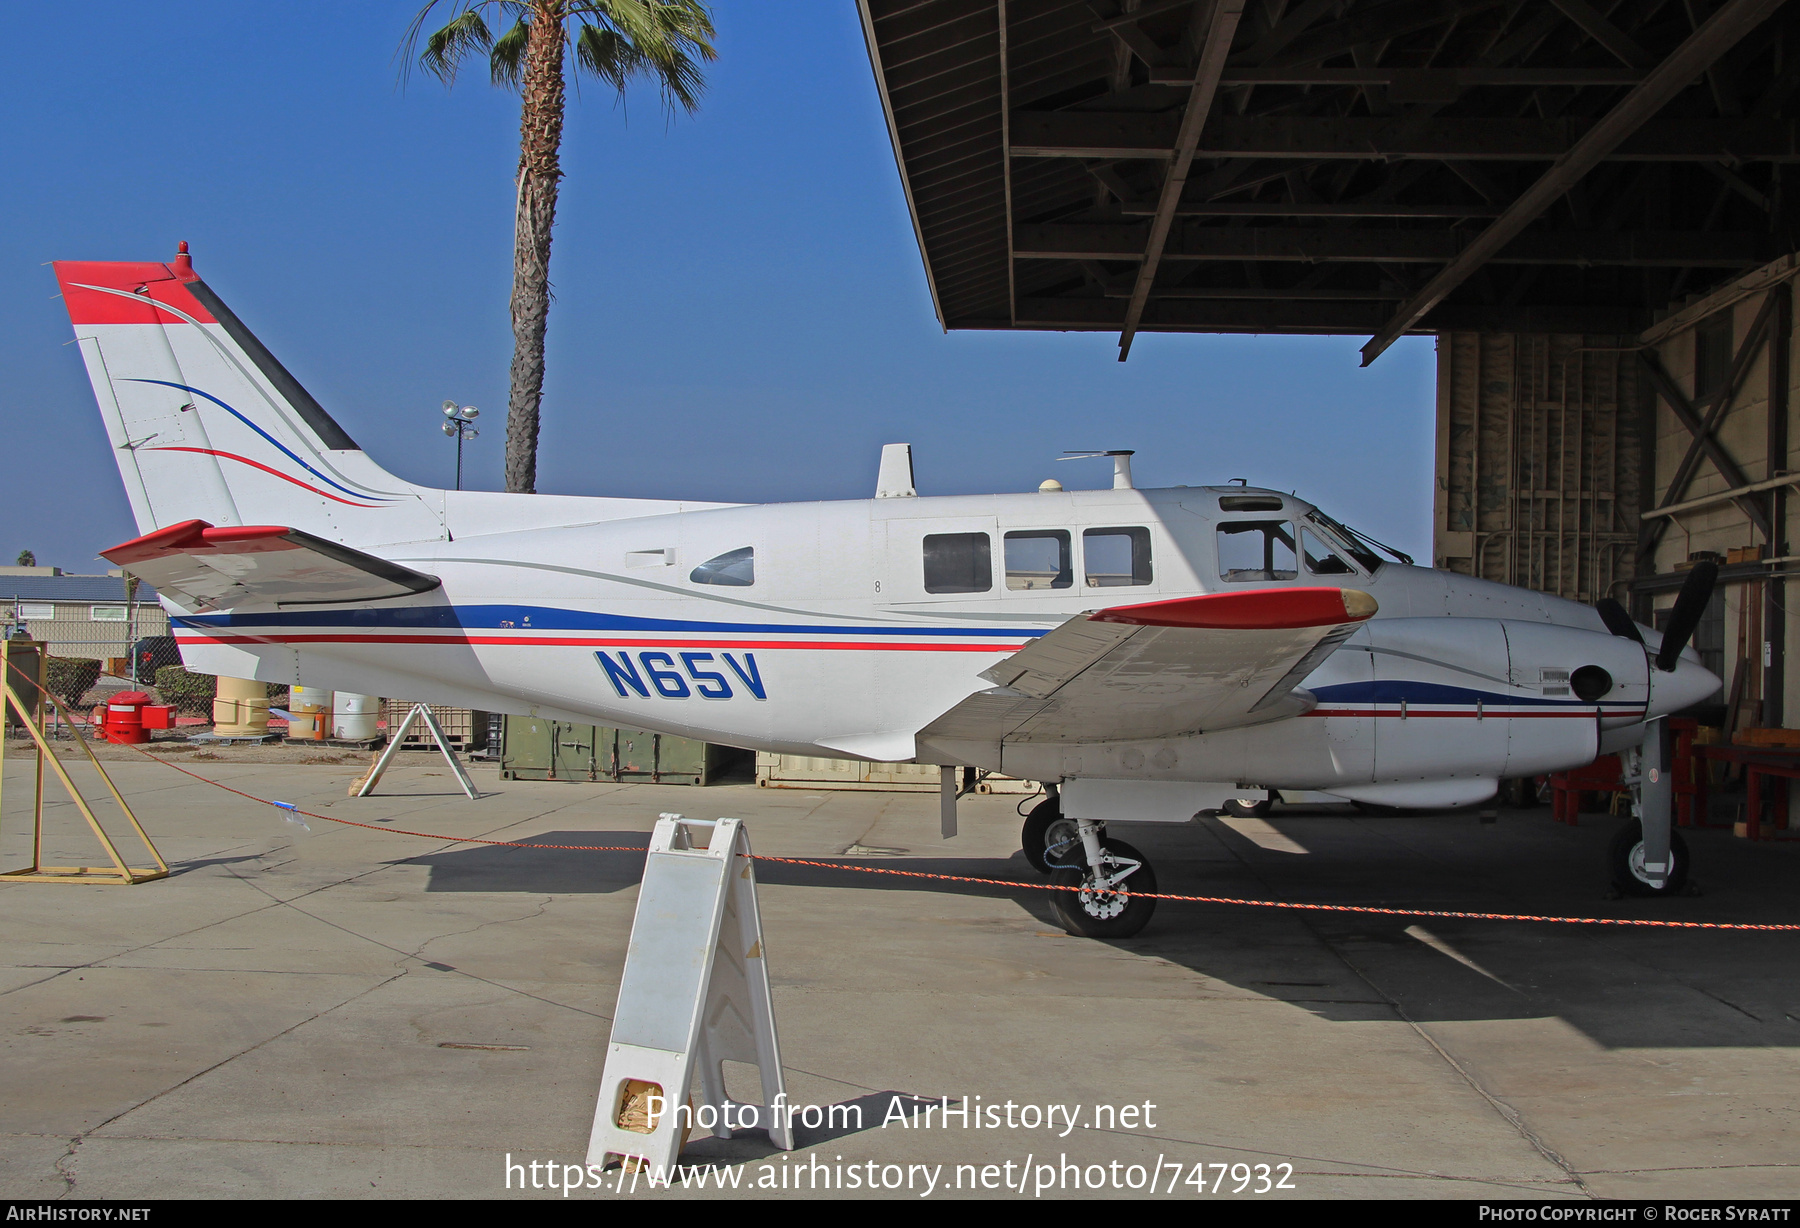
{"x":540,"y":138}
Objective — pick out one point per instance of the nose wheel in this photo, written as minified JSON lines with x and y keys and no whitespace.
{"x":1625,"y":862}
{"x":1104,"y":879}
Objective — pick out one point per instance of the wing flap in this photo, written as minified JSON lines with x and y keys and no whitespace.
{"x":1161,"y":668}
{"x":1045,"y":664}
{"x":215,"y":568}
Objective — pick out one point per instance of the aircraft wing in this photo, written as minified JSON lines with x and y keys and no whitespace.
{"x":1189,"y":665}
{"x":215,"y":568}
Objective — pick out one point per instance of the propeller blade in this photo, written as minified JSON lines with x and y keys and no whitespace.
{"x":1617,"y":620}
{"x":1689,"y":606}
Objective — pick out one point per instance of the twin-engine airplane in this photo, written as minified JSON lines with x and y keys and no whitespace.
{"x":1144,"y":653}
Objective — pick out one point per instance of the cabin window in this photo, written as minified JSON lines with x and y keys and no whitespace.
{"x":1256,"y":550}
{"x":1039,"y":560}
{"x":733,"y":569}
{"x":1116,"y":558}
{"x":1321,"y":560}
{"x":958,"y":563}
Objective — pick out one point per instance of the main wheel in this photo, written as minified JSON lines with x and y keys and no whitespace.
{"x":1248,"y":807}
{"x":1625,"y":861}
{"x":1046,"y":829}
{"x":1092,"y":913}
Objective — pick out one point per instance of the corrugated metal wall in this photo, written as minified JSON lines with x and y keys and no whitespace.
{"x":1541,"y":451}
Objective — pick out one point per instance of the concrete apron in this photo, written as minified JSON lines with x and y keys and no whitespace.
{"x":350,"y":1013}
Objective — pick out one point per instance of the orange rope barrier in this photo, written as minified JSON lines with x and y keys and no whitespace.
{"x":1002,"y":882}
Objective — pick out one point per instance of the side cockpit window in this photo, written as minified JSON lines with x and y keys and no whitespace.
{"x":1116,"y":558}
{"x":1256,"y":550}
{"x":733,"y":569}
{"x":1321,"y":560}
{"x":958,"y":563}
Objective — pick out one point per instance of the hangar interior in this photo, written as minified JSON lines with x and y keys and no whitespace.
{"x":1583,"y":200}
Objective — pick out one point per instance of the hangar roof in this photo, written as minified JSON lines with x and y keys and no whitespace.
{"x":1337,"y":166}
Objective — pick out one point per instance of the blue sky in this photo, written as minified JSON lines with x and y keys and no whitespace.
{"x":741,"y":311}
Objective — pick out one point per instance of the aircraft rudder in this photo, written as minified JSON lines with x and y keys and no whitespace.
{"x":207,"y":424}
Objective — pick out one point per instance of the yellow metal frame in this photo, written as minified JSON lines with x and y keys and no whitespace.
{"x":24,"y":692}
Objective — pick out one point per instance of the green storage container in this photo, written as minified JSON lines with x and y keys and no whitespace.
{"x":537,"y":748}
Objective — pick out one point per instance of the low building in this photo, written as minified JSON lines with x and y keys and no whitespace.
{"x":80,"y":616}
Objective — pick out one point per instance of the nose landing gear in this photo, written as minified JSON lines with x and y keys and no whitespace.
{"x":1625,"y":863}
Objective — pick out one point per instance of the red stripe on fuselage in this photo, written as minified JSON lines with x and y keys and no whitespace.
{"x":559,"y":641}
{"x":1491,"y":714}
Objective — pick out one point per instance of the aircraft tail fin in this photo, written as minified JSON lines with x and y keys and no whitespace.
{"x":206,"y":424}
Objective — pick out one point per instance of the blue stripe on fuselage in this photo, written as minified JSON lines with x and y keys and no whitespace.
{"x":543,"y":618}
{"x":1394,"y":690}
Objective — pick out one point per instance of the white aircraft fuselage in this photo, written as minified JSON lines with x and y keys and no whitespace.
{"x":859,"y":628}
{"x":837,"y":647}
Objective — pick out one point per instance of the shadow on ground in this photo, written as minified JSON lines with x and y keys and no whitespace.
{"x":1623,"y":986}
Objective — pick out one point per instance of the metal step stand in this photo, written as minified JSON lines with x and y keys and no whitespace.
{"x":419,"y":712}
{"x":695,"y":992}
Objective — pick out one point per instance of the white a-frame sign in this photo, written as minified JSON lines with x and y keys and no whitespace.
{"x":695,"y":992}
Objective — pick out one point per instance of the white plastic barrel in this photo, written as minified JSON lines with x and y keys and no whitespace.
{"x":353,"y":716}
{"x":310,"y":707}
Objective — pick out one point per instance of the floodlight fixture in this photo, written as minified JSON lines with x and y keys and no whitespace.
{"x":457,"y":420}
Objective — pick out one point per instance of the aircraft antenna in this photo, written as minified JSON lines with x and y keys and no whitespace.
{"x":1121,"y":459}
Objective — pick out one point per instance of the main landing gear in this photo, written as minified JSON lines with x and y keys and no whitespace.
{"x":1248,"y":807}
{"x":1045,"y":827}
{"x":1105,"y":874}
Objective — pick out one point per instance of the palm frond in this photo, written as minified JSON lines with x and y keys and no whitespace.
{"x":506,"y":61}
{"x":608,"y":55}
{"x":446,"y":48}
{"x":466,"y":33}
{"x":653,"y":40}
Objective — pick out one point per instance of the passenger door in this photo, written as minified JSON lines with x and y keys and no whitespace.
{"x":937,"y":561}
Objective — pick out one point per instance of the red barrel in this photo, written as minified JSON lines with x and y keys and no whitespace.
{"x":125,"y":717}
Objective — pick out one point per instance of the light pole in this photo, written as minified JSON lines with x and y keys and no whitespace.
{"x":459,"y":425}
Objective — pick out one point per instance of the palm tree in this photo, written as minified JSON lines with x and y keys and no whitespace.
{"x":616,"y":41}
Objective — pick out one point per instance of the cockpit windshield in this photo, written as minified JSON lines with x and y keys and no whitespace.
{"x":1357,"y":545}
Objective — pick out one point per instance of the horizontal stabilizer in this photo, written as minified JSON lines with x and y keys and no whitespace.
{"x":210,"y":568}
{"x":1161,"y":668}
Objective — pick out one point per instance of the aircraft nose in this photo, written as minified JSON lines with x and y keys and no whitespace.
{"x":1687,"y":684}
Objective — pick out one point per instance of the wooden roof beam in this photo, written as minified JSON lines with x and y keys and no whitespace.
{"x":1208,"y":64}
{"x":1305,"y":244}
{"x":1119,"y":135}
{"x":1595,"y":25}
{"x":1721,"y":32}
